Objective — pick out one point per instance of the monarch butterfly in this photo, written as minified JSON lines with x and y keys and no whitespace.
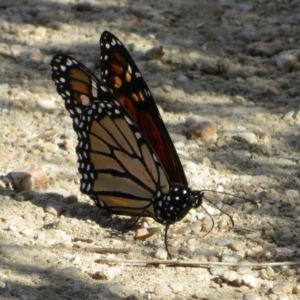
{"x":127,"y":161}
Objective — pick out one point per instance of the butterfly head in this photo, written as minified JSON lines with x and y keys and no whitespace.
{"x":174,"y":206}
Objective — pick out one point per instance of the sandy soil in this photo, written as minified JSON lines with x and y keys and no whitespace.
{"x":234,"y":65}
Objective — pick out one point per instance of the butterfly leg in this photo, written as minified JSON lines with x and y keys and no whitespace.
{"x":166,"y":240}
{"x":137,"y":219}
{"x":131,"y":226}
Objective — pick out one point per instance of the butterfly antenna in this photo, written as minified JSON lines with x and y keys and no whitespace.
{"x":213,"y":204}
{"x":232,"y":195}
{"x":212,"y":220}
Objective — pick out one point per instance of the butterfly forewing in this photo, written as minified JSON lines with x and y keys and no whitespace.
{"x":121,"y":75}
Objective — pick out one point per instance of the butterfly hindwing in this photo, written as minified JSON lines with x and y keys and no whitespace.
{"x":116,"y":163}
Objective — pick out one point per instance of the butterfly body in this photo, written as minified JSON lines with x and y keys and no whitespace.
{"x":127,"y":161}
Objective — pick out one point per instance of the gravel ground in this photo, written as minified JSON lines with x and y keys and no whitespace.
{"x":227,"y":83}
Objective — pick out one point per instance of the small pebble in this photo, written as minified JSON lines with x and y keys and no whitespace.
{"x":54,"y":209}
{"x":283,"y":288}
{"x":144,"y":233}
{"x":204,"y":131}
{"x":155,"y":53}
{"x":53,"y":237}
{"x":27,"y":232}
{"x":27,"y":178}
{"x":242,"y":154}
{"x":229,"y":276}
{"x":249,"y":280}
{"x":33,"y":54}
{"x":296,"y":289}
{"x":83,"y":6}
{"x":286,"y":60}
{"x":237,"y":245}
{"x":27,"y":195}
{"x":46,"y":104}
{"x":176,"y":287}
{"x":249,"y":137}
{"x":218,"y":270}
{"x":231,"y":258}
{"x":256,"y":252}
{"x":70,"y":199}
{"x":162,"y":290}
{"x":283,"y":253}
{"x":251,"y":296}
{"x":161,"y":254}
{"x":244,"y":270}
{"x":106,"y":273}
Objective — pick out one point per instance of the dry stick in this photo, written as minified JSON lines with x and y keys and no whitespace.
{"x":242,"y":228}
{"x":102,"y":250}
{"x":180,"y":263}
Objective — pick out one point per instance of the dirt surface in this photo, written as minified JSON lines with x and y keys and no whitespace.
{"x":230,"y":67}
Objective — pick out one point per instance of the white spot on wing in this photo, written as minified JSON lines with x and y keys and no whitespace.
{"x":95,"y":92}
{"x":137,"y":135}
{"x":129,"y":69}
{"x":128,"y":120}
{"x":69,"y":62}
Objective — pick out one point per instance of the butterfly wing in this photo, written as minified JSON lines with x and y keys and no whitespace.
{"x":120,"y":74}
{"x":77,"y":85}
{"x":119,"y":169}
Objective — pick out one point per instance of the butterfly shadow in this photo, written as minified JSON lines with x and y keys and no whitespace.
{"x":57,"y":210}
